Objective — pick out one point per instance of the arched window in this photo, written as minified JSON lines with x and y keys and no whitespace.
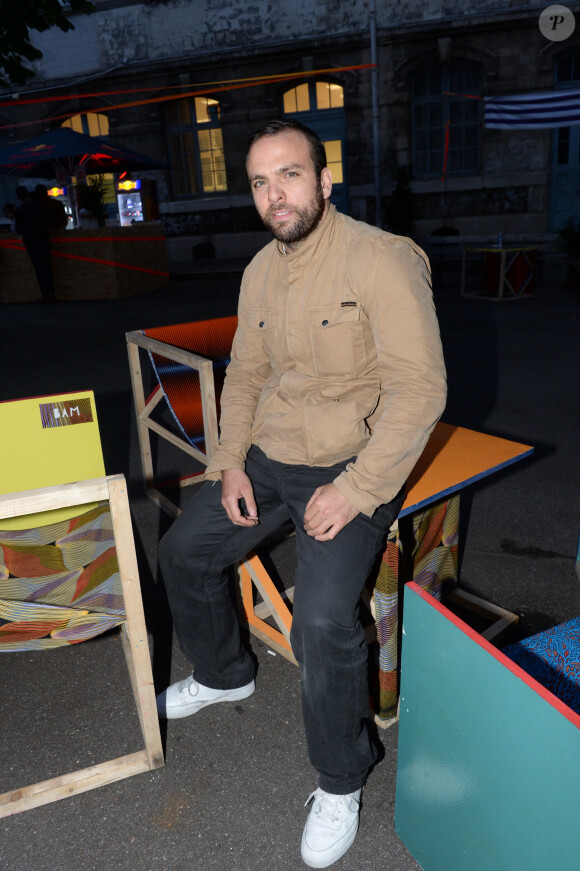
{"x":89,"y":123}
{"x":446,"y":120}
{"x":320,"y":105}
{"x":313,"y":96}
{"x":196,"y":150}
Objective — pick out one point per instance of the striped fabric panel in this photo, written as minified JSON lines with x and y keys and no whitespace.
{"x":59,"y":584}
{"x":435,"y":532}
{"x":39,"y":536}
{"x":54,"y":590}
{"x":39,"y":627}
{"x":533,"y":111}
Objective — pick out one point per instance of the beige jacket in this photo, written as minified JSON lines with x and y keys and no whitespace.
{"x":337,"y":355}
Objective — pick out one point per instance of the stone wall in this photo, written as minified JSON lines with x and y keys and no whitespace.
{"x":124,"y":33}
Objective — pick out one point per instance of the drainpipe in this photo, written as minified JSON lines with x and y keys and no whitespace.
{"x":375,"y":98}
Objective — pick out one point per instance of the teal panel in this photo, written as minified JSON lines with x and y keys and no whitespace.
{"x":488,"y":773}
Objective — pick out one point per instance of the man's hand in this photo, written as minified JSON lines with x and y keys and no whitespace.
{"x":236,"y":486}
{"x":327,"y":513}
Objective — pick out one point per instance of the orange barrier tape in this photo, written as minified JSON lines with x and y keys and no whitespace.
{"x":18,"y":246}
{"x":76,"y":239}
{"x":115,"y":263}
{"x":244,"y":83}
{"x":282,"y":76}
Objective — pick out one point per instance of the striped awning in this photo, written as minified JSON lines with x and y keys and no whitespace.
{"x":533,"y":111}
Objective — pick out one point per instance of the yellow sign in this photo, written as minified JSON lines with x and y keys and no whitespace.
{"x":48,"y":440}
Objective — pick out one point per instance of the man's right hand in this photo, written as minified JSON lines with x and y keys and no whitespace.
{"x":236,"y":486}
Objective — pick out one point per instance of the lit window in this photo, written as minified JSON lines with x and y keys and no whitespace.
{"x":297,"y":100}
{"x":89,"y":123}
{"x":329,"y":96}
{"x":334,"y":159}
{"x":326,"y":95}
{"x":196,"y":146}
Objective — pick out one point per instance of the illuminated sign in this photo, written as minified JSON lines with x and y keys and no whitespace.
{"x":130,"y":185}
{"x":57,"y":192}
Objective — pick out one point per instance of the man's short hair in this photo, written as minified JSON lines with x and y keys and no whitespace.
{"x":21,"y":192}
{"x":274,"y":127}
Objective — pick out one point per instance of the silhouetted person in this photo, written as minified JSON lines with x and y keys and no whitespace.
{"x":33,"y":221}
{"x":58,"y":215}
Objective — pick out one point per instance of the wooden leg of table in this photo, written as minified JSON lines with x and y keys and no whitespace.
{"x":253,"y":574}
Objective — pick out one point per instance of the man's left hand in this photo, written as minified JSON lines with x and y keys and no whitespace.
{"x":327,"y":513}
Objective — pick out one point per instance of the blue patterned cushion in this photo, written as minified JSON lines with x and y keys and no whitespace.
{"x":553,"y":659}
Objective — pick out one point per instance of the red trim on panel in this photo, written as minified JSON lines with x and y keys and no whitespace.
{"x":508,"y":663}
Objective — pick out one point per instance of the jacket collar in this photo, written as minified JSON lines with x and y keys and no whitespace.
{"x":316,"y":242}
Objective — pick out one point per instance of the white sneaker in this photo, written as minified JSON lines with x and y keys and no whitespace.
{"x":188,"y":697}
{"x":331,"y":827}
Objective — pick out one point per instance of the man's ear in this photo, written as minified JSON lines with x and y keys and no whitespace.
{"x":326,"y":182}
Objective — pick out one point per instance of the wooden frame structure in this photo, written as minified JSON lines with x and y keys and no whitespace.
{"x":145,"y":407}
{"x":133,"y":633}
{"x":514,"y":273}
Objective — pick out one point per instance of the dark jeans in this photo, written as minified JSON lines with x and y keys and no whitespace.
{"x":39,"y":253}
{"x":327,"y":638}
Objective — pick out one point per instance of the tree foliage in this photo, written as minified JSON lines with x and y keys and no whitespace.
{"x":17,"y":19}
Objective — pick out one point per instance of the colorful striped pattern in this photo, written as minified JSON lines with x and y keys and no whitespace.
{"x":71,"y":411}
{"x":59,"y":584}
{"x":434,"y":565}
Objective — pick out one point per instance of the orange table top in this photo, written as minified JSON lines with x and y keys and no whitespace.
{"x":455,"y":457}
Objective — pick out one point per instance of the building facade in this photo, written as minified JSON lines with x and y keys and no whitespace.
{"x":396,"y":90}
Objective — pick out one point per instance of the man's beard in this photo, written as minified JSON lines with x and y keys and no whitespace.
{"x":297,"y":230}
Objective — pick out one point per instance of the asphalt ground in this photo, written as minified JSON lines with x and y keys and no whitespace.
{"x":236,"y":777}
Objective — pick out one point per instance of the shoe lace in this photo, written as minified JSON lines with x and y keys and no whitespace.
{"x":189,"y":685}
{"x":327,"y":807}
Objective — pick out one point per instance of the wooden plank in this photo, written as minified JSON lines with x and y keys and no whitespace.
{"x":208,"y":407}
{"x":179,"y":355}
{"x":272,"y":638}
{"x":58,"y":496}
{"x":140,"y":404}
{"x":67,"y":785}
{"x":161,"y":500}
{"x":270,"y":594}
{"x":501,"y":618}
{"x":178,"y":442}
{"x":253,"y":572}
{"x":137,"y":646}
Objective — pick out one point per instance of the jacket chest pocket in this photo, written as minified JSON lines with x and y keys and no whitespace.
{"x":337,"y":335}
{"x":263,"y":324}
